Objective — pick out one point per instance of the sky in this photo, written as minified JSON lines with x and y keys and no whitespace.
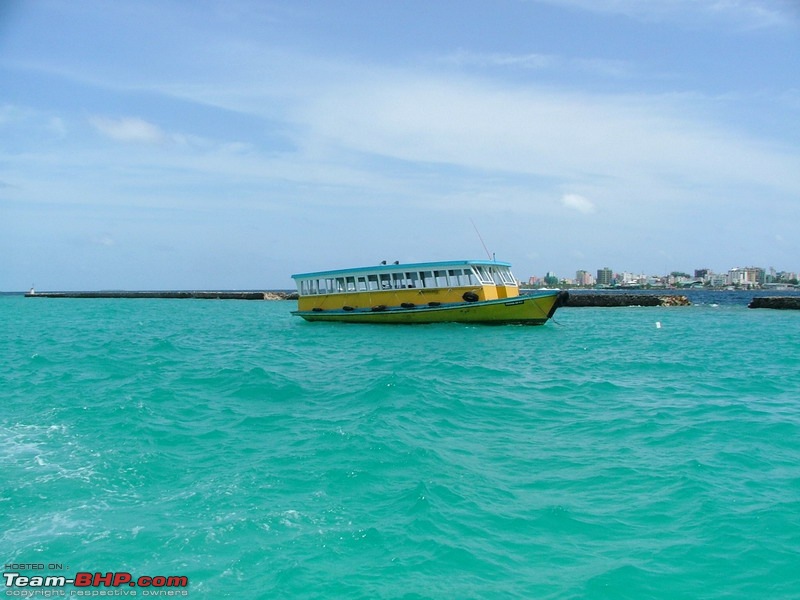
{"x":226,"y":144}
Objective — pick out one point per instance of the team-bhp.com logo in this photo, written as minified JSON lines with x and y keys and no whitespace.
{"x":93,"y":584}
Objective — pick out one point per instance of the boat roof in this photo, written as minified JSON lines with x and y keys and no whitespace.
{"x":402,"y":267}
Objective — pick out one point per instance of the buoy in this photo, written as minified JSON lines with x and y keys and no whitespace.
{"x":658,"y":324}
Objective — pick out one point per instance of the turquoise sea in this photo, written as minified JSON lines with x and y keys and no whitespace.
{"x":614,"y":453}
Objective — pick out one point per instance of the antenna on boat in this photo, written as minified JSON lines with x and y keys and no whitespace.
{"x":481,"y":239}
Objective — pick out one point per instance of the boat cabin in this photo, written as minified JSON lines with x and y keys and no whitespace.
{"x":411,"y":284}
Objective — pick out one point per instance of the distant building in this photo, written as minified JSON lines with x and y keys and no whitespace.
{"x":747,"y":276}
{"x":787,"y":276}
{"x":717,"y":279}
{"x":584,"y":278}
{"x":631,"y":279}
{"x":771,"y":276}
{"x":605,"y":276}
{"x":551,"y":279}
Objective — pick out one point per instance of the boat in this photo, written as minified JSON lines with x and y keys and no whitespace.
{"x":460,"y":291}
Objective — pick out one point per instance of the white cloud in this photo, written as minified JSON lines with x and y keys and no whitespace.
{"x":663,"y":141}
{"x":539,"y":62}
{"x":104,"y":240}
{"x":495,"y":59}
{"x":742,"y":13}
{"x":57,"y":126}
{"x":128,"y":129}
{"x":578,"y":202}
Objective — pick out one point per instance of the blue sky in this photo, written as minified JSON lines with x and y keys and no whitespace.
{"x":161,"y":144}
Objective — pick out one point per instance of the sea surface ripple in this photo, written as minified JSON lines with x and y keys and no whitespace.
{"x":613,"y":453}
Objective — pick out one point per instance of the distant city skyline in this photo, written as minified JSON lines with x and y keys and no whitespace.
{"x":733,"y":276}
{"x":226,"y":144}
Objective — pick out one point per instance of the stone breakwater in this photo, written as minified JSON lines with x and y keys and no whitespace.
{"x":203,"y":295}
{"x":583,"y":300}
{"x":779,"y":302}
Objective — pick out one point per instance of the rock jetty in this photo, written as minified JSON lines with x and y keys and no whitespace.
{"x":779,"y":302}
{"x":582,"y":300}
{"x":204,"y":295}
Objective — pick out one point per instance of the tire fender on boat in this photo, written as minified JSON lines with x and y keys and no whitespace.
{"x":470,"y":297}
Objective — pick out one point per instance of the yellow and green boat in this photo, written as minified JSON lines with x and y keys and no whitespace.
{"x":462,"y":291}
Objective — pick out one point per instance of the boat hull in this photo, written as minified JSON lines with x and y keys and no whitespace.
{"x":528,"y":309}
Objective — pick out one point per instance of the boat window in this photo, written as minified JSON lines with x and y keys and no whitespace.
{"x":469,"y":278}
{"x":361,"y":284}
{"x":484,"y":276}
{"x":330,"y":285}
{"x":351,"y":283}
{"x":372,"y":280}
{"x":412,"y":279}
{"x":455,"y":277}
{"x":340,"y":287}
{"x":507,"y":276}
{"x":441,"y":278}
{"x":386,"y":281}
{"x":427,"y":279}
{"x":397,"y":281}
